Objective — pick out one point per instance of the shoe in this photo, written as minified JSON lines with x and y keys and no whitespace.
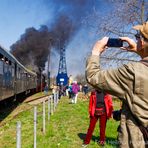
{"x":84,"y":145}
{"x":101,"y":143}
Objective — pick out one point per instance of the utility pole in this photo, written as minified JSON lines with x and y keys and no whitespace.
{"x":48,"y":72}
{"x":48,"y":77}
{"x":40,"y":74}
{"x":41,"y":80}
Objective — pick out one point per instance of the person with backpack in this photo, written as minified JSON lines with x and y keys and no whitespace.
{"x":75,"y":90}
{"x":100,"y":107}
{"x":70,"y":91}
{"x":129,"y":82}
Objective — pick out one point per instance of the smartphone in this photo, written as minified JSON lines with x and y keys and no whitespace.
{"x":113,"y":42}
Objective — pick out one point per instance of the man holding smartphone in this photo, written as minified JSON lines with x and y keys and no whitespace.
{"x":129,"y":82}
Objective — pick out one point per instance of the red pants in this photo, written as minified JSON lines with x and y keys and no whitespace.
{"x":93,"y":120}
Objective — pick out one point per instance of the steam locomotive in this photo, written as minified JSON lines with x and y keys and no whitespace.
{"x":14,"y":77}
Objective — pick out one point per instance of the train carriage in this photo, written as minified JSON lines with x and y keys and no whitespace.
{"x":14,"y":77}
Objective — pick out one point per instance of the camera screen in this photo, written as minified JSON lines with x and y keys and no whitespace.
{"x":114,"y":42}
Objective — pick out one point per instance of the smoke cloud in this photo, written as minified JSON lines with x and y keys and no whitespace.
{"x":34,"y":46}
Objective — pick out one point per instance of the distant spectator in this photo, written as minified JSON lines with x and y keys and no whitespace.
{"x":70,"y":91}
{"x":46,"y":89}
{"x":70,"y":79}
{"x":67,"y":93}
{"x":75,"y":89}
{"x":54,"y":89}
{"x":85,"y":89}
{"x":80,"y":87}
{"x":62,"y":90}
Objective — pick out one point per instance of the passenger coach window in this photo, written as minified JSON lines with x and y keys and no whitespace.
{"x":18,"y":73}
{"x":12,"y":69}
{"x":1,"y":67}
{"x":1,"y":64}
{"x":6,"y":67}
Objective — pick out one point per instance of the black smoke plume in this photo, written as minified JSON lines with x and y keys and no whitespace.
{"x":34,"y":46}
{"x":68,"y":19}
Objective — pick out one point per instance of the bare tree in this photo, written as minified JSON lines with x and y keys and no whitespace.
{"x":81,"y":78}
{"x":124,"y":15}
{"x":118,"y":22}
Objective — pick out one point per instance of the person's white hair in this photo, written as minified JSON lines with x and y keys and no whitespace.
{"x":75,"y":82}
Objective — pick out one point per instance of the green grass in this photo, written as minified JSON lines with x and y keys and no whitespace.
{"x":66,"y":129}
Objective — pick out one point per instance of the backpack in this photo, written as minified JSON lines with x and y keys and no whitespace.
{"x":100,"y":104}
{"x":70,"y":88}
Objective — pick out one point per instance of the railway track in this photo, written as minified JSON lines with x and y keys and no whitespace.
{"x":37,"y":100}
{"x":11,"y":112}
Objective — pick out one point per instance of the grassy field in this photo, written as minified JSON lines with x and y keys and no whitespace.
{"x":66,"y":129}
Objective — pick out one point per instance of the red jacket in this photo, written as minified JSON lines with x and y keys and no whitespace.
{"x":108,"y":104}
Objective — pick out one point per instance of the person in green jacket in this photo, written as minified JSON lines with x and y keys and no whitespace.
{"x":129,"y":82}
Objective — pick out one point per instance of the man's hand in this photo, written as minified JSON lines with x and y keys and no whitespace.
{"x":132,"y":45}
{"x":100,"y":46}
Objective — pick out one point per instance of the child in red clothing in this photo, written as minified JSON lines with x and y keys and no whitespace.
{"x":100,"y":106}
